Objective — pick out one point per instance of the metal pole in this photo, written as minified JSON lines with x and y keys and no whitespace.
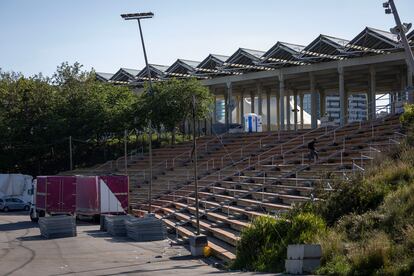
{"x":404,"y":40}
{"x":408,"y":53}
{"x":126,"y":151}
{"x":195,"y":166}
{"x":70,"y":154}
{"x":149,"y":121}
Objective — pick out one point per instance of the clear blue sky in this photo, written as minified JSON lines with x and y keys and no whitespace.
{"x":39,"y":35}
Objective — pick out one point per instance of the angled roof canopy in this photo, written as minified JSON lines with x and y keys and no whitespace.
{"x":244,"y":60}
{"x":124,"y":75}
{"x":209,"y":66}
{"x":372,"y":40}
{"x":282,"y":54}
{"x":182,"y":68}
{"x":325,"y":48}
{"x":157,"y":72}
{"x":104,"y":77}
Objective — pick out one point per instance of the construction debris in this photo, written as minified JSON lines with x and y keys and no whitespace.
{"x":57,"y":227}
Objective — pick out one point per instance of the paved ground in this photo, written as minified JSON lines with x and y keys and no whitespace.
{"x":24,"y":252}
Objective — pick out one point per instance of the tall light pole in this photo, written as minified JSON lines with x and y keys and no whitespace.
{"x":195,"y":167}
{"x":401,"y":29}
{"x":138,"y":17}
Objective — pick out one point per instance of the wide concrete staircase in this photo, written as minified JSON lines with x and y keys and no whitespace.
{"x":248,"y":175}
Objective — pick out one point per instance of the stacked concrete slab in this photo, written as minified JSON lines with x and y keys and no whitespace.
{"x":115,"y":225}
{"x":148,"y":228}
{"x":303,"y":258}
{"x":57,"y":227}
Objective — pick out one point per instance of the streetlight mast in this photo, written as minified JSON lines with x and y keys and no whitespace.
{"x":400,"y":30}
{"x":138,"y":17}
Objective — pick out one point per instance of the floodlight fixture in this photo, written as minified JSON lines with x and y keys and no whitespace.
{"x":137,"y":16}
{"x":388,"y":11}
{"x":407,"y":27}
{"x":386,"y":5}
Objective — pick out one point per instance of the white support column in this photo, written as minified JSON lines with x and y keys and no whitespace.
{"x":252,"y":109}
{"x":242,"y":107}
{"x":372,"y":105}
{"x":410,"y":85}
{"x":282,"y":101}
{"x":322,"y":104}
{"x":278,"y":110}
{"x":403,"y":85}
{"x":237,"y":101}
{"x":229,"y":103}
{"x":301,"y":110}
{"x":288,"y":111}
{"x":259,"y":98}
{"x":295,"y":110}
{"x":268,"y":110}
{"x":314,"y":104}
{"x":342,"y":97}
{"x":214,"y":115}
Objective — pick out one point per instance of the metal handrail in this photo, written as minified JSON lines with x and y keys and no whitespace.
{"x":289,"y":141}
{"x":231,"y":165}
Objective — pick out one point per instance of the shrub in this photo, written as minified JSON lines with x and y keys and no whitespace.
{"x":263,"y":244}
{"x":393,"y":175}
{"x":332,"y":243}
{"x":339,"y":265}
{"x":263,"y":237}
{"x":407,"y":120}
{"x":398,"y":211}
{"x":354,"y":196}
{"x":371,"y":256}
{"x":357,"y":227}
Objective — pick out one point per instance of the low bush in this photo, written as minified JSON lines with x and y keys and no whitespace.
{"x":263,"y":245}
{"x":353,"y":196}
{"x":370,"y":257}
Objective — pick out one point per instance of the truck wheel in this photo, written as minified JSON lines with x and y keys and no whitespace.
{"x":42,"y":214}
{"x":33,"y":216}
{"x":6,"y":209}
{"x":26,"y":208}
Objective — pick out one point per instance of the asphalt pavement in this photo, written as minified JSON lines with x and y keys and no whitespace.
{"x":24,"y":252}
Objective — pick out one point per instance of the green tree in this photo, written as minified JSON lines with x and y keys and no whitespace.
{"x":171,"y":103}
{"x":38,"y":114}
